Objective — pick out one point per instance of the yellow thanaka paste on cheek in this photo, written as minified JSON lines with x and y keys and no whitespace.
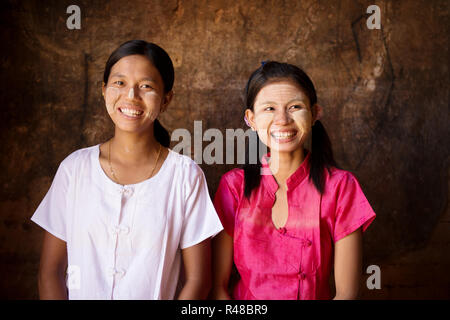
{"x":303,"y":120}
{"x":111,"y":97}
{"x":152,"y":101}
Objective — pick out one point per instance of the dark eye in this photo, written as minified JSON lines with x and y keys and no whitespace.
{"x":295,"y":107}
{"x":146,"y":86}
{"x":118,"y":82}
{"x":269,"y":108}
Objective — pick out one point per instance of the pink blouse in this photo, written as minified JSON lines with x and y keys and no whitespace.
{"x":293,"y":262}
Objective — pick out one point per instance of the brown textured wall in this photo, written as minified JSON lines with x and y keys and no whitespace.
{"x":385,"y":95}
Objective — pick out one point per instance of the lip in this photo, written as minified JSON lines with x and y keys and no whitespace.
{"x":135,"y":108}
{"x":284,"y":139}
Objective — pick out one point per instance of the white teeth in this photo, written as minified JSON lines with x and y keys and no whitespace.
{"x":131,"y":112}
{"x":283,"y":134}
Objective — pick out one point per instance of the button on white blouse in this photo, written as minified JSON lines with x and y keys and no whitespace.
{"x":124,"y":242}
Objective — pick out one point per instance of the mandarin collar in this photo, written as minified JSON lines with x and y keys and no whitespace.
{"x":294,"y":180}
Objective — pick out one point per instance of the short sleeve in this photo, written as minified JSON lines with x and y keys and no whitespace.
{"x":352,"y":208}
{"x":200,"y":220}
{"x":51,"y":214}
{"x":226,"y":202}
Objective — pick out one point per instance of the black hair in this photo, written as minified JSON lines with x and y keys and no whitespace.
{"x":162,"y":62}
{"x":321,"y":149}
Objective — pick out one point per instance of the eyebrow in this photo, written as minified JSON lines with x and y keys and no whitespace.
{"x":123,"y":76}
{"x":290,"y":101}
{"x":148,"y":79}
{"x":117,"y":75}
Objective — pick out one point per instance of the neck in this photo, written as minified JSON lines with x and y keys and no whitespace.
{"x":134,"y":148}
{"x":284,"y":164}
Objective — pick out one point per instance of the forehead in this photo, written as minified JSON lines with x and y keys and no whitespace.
{"x":135,"y":65}
{"x":281,"y":92}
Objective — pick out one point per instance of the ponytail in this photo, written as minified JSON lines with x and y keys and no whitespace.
{"x":321,"y":156}
{"x":252,"y":171}
{"x":161,"y":134}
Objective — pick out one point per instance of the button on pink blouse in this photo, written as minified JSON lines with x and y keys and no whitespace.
{"x":293,"y":262}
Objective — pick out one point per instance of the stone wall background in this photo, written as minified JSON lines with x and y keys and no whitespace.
{"x":385,"y":97}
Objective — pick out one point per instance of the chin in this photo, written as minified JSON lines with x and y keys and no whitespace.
{"x":132,"y":128}
{"x":286,"y":147}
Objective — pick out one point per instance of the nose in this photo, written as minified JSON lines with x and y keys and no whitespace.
{"x":132,"y":93}
{"x":282,"y":117}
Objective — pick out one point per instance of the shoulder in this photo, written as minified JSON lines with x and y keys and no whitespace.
{"x":233,"y":180}
{"x":180,"y":159}
{"x":184,"y":171}
{"x":234,"y":176}
{"x":338,"y":180}
{"x":77,"y":157}
{"x":183,"y":164}
{"x":337,"y":175}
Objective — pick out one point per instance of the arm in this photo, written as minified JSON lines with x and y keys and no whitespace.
{"x":197,"y":266}
{"x":52,"y":269}
{"x":222,"y":264}
{"x":347,"y":266}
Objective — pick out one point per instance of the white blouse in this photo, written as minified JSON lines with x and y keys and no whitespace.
{"x":123,"y":242}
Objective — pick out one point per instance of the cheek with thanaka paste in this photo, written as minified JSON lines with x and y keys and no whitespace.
{"x":303,"y":121}
{"x":151,"y":98}
{"x":111,"y":97}
{"x":262,"y":124}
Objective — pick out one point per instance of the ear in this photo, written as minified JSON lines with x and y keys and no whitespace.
{"x":103,"y":90}
{"x":166,"y":100}
{"x":250,"y":118}
{"x":317,"y":112}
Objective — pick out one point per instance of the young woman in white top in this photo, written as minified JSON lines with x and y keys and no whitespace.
{"x":123,"y":216}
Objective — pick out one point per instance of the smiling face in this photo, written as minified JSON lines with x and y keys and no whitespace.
{"x":134,"y":94}
{"x":282,"y":116}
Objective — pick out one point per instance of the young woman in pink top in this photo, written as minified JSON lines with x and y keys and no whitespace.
{"x":293,"y":216}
